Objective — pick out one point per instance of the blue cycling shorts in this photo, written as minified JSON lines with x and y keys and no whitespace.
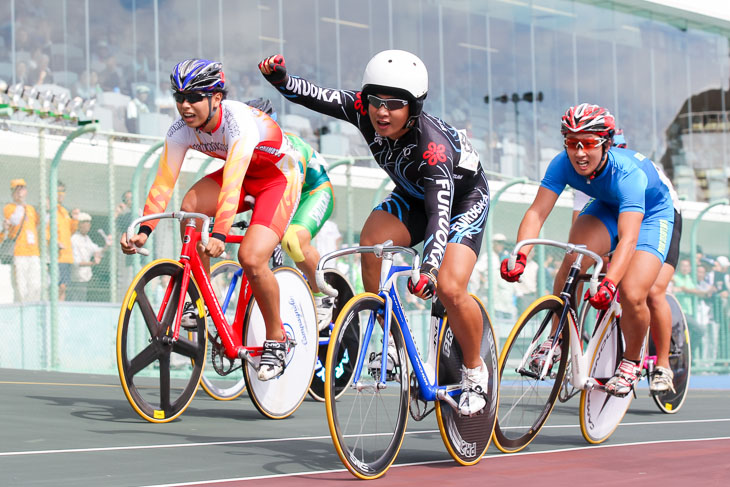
{"x":656,"y":227}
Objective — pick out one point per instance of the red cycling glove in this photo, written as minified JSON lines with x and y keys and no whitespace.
{"x":426,"y":284}
{"x":514,"y":274}
{"x":603,"y":297}
{"x":275,"y":73}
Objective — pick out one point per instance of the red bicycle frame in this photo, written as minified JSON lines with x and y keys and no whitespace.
{"x":231,"y":336}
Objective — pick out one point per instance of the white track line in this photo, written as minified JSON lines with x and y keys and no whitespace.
{"x":494,"y":457}
{"x":301,"y":438}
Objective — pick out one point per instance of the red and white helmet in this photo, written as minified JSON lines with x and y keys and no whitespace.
{"x":588,"y":118}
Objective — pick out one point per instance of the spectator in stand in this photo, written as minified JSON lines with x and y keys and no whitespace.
{"x":21,"y":73}
{"x":41,"y":74}
{"x":21,"y":223}
{"x":685,"y":290}
{"x":87,"y":254}
{"x":526,"y":287}
{"x":137,"y":106}
{"x":111,"y":77}
{"x":720,"y":278}
{"x":123,"y":218}
{"x":87,"y":85}
{"x":704,"y":312}
{"x":504,"y":294}
{"x":66,"y":227}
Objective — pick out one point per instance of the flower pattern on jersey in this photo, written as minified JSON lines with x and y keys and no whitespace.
{"x":359,"y":105}
{"x":435,"y":154}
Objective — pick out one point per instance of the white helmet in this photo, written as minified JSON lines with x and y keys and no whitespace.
{"x":397,"y":69}
{"x":397,"y":73}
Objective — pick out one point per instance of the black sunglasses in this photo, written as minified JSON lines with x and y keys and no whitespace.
{"x":192,"y":97}
{"x":390,"y":103}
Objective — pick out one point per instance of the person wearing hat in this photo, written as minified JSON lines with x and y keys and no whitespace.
{"x":20,"y":223}
{"x":66,"y":227}
{"x":87,"y":254}
{"x":137,"y":106}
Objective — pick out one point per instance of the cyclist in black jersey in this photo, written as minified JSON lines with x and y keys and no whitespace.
{"x":441,"y":195}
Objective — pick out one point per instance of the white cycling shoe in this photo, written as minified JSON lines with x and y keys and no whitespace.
{"x":325,"y":306}
{"x":273,"y":359}
{"x":474,"y":386}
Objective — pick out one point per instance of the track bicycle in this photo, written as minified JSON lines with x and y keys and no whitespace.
{"x":680,"y":358}
{"x":218,"y":379}
{"x":372,"y":338}
{"x":160,"y":366}
{"x":528,"y":394}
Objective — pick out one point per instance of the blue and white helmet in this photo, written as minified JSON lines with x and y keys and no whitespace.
{"x":198,"y":75}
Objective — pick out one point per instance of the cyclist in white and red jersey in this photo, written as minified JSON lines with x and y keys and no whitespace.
{"x":441,"y":195}
{"x":259,"y":161}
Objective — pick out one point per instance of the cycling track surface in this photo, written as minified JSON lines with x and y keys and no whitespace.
{"x":66,"y":429}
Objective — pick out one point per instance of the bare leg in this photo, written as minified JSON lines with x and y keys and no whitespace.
{"x":311,"y":258}
{"x":464,"y":315}
{"x":634,"y":288}
{"x":379,"y":227}
{"x":661,"y":315}
{"x":253,"y":254}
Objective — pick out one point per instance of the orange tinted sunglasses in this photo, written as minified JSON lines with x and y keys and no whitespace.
{"x":584,"y":144}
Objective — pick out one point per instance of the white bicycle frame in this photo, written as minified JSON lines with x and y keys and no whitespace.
{"x":580,"y":358}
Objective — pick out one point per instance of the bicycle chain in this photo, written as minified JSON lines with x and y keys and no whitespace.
{"x":417,"y":407}
{"x":221,"y":363}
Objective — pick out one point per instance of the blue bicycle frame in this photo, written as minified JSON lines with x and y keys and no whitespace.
{"x":428,"y":389}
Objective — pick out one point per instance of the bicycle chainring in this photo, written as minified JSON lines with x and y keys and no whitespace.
{"x":221,"y":363}
{"x":417,"y":406}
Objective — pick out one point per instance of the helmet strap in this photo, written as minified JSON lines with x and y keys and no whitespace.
{"x":601,"y":166}
{"x":410,"y":122}
{"x":211,"y":112}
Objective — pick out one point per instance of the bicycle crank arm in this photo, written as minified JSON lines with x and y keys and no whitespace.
{"x":244,"y":354}
{"x":531,"y":374}
{"x":443,"y":395}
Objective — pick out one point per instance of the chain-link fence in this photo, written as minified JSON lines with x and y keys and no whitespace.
{"x":60,"y":291}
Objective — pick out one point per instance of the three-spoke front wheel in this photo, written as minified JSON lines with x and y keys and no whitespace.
{"x":159,"y":375}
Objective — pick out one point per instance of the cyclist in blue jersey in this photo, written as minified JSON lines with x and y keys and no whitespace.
{"x":631,"y":213}
{"x":661,"y":313}
{"x":441,"y":196}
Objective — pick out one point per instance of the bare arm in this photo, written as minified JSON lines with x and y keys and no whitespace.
{"x":629,"y":224}
{"x":535,"y":216}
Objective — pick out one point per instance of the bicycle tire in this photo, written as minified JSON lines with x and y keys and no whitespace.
{"x":345,"y":292}
{"x":367,"y":424}
{"x":144,"y":348}
{"x":601,"y":412}
{"x":525,"y":403}
{"x":278,"y":398}
{"x":467,"y":438}
{"x":680,"y":361}
{"x":222,"y":387}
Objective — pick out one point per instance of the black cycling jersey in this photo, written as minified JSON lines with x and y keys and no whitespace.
{"x":432,"y":162}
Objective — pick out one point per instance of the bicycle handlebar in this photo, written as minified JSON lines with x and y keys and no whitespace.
{"x":569,"y":249}
{"x":179,"y":215}
{"x":379,"y":250}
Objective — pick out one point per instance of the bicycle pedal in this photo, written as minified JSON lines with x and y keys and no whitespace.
{"x":478,"y":413}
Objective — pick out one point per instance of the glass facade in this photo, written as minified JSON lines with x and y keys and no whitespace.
{"x":504,"y":69}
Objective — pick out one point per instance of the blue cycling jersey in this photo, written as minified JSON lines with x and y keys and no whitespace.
{"x":629,"y":182}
